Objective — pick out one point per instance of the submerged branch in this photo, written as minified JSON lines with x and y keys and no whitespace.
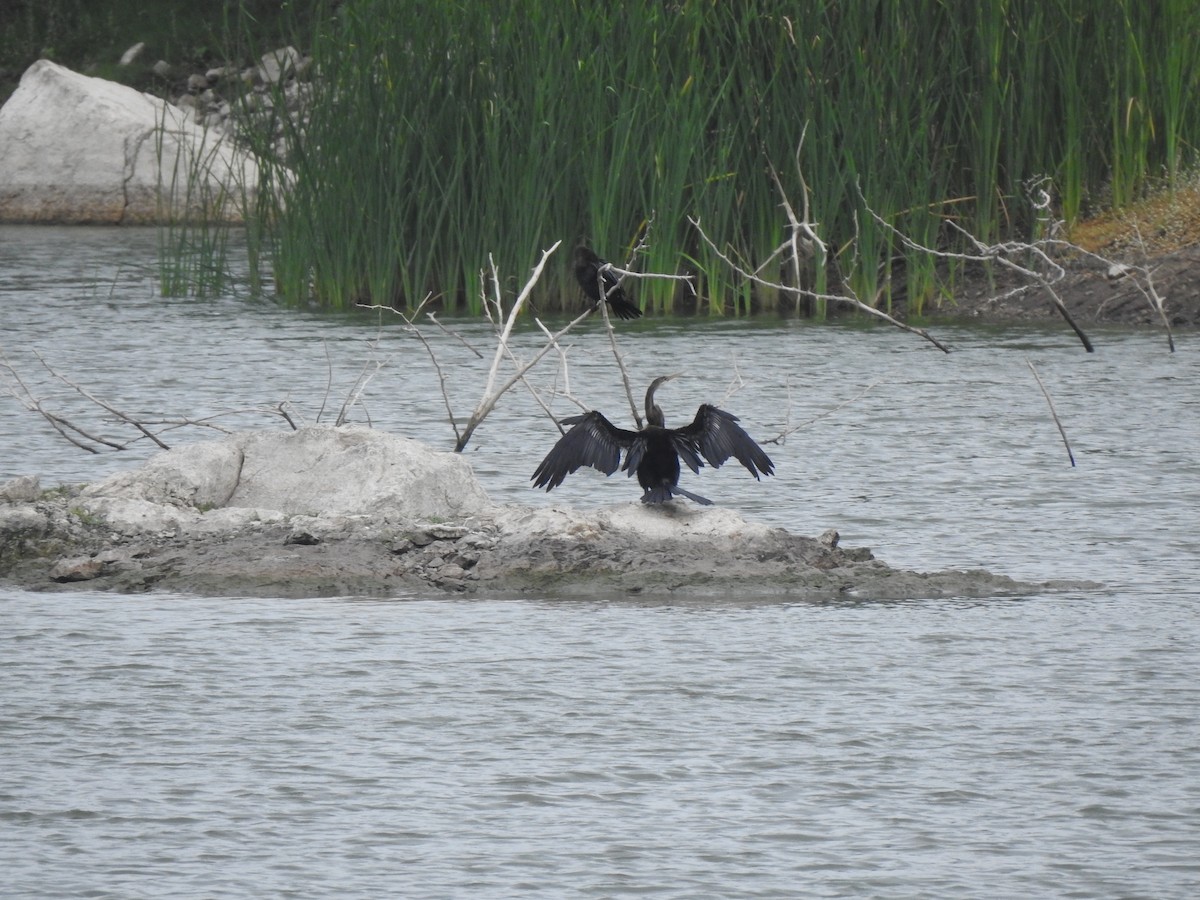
{"x":1053,"y":414}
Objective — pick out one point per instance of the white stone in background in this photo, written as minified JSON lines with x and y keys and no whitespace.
{"x":77,"y":150}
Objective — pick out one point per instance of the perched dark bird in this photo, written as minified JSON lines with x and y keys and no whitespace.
{"x":655,"y":451}
{"x":587,"y":270}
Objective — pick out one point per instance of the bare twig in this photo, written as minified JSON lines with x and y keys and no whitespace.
{"x":804,"y":292}
{"x":804,"y":242}
{"x":356,"y":391}
{"x":1003,"y":254}
{"x":781,"y":438}
{"x":1150,"y":292}
{"x":328,"y":380}
{"x":432,"y":317}
{"x":410,"y":326}
{"x":1053,"y":414}
{"x":124,"y":417}
{"x":148,"y":428}
{"x":492,"y":394}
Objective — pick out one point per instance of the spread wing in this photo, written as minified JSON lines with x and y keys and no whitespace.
{"x":592,"y":441}
{"x":718,"y":436}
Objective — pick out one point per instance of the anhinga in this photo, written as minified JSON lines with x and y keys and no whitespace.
{"x":587,"y":270}
{"x":655,"y":451}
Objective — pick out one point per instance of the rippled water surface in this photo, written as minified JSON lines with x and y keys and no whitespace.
{"x":1046,"y":745}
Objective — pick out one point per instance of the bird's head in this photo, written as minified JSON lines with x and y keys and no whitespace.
{"x":654,"y":415}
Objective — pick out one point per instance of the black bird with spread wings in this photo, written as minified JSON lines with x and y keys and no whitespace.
{"x":655,"y":451}
{"x":587,"y":271}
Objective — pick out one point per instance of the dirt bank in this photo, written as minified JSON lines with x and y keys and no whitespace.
{"x":1094,"y":295}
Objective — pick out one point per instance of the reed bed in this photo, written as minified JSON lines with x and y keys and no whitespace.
{"x":442,"y":132}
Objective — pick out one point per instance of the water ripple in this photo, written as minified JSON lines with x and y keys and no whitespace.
{"x":662,"y":746}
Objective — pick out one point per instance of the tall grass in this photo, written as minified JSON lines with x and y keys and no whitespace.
{"x":443,"y":131}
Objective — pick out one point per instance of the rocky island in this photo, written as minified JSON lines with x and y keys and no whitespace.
{"x":324,"y":511}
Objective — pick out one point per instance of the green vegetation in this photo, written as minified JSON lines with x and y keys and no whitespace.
{"x":444,"y":131}
{"x":86,"y":517}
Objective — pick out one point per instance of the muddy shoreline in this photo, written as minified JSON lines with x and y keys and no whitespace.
{"x":1096,"y":296}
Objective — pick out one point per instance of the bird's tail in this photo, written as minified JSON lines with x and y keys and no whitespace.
{"x":622,"y":308}
{"x":664,"y":492}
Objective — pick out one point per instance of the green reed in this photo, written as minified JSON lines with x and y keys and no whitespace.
{"x":444,"y":132}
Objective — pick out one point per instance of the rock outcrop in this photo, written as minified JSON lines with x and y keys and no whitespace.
{"x":334,"y":511}
{"x":77,"y":150}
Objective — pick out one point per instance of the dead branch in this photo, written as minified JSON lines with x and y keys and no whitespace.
{"x":1003,"y":254}
{"x":804,"y":242}
{"x":816,"y":295}
{"x":328,"y":380}
{"x":503,"y":323}
{"x":432,"y":317}
{"x":491,"y":395}
{"x":88,"y":440}
{"x":102,"y":404}
{"x":1037,"y":263}
{"x":1149,"y":291}
{"x":354,"y":395}
{"x":781,"y":438}
{"x":1053,"y":414}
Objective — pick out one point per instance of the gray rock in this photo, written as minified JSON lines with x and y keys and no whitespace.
{"x":25,"y":488}
{"x":75,"y":150}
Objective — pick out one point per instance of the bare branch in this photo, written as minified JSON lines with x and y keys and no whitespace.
{"x":804,"y":292}
{"x":1005,"y":255}
{"x":1053,"y":414}
{"x":328,"y":380}
{"x":86,"y":439}
{"x":432,"y":317}
{"x":489,"y":401}
{"x":781,"y":438}
{"x":124,"y":417}
{"x":492,"y":394}
{"x":1150,"y":292}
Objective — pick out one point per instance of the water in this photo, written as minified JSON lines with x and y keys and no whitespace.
{"x":162,"y":745}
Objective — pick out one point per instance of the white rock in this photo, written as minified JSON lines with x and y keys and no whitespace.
{"x":276,"y":65}
{"x":133,"y":515}
{"x":75,"y":149}
{"x":201,"y":476}
{"x":675,"y":521}
{"x":327,"y":471}
{"x":264,"y":476}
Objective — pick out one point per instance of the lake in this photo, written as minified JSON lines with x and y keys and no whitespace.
{"x":432,"y":746}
